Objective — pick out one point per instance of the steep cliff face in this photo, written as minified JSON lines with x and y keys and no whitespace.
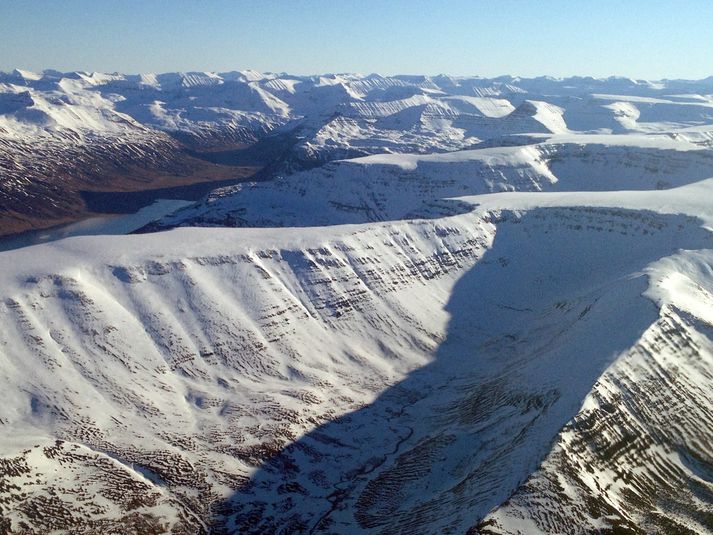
{"x":637,"y":457}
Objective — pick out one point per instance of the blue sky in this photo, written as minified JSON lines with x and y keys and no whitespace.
{"x":638,"y":38}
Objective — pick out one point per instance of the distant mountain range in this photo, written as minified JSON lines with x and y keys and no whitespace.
{"x":65,"y":133}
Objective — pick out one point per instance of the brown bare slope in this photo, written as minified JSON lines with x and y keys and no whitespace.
{"x":45,"y":184}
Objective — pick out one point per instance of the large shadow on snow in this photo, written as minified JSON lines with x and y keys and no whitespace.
{"x":533,"y":325}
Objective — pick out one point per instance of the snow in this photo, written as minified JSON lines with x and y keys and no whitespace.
{"x":514,"y":335}
{"x":144,"y":282}
{"x":691,"y":200}
{"x":468,"y":108}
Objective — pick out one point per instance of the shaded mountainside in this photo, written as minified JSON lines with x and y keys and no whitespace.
{"x":638,"y":454}
{"x":457,"y":437}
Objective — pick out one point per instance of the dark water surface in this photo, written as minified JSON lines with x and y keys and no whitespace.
{"x":104,"y":225}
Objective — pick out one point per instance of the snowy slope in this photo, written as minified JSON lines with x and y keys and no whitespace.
{"x":187,"y":368}
{"x":364,"y":189}
{"x":243,"y":338}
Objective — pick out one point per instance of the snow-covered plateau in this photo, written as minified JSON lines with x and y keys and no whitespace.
{"x":449,"y":305}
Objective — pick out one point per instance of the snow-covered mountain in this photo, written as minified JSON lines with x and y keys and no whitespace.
{"x":403,"y":186}
{"x":495,"y":317}
{"x":115,"y":132}
{"x":89,"y":131}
